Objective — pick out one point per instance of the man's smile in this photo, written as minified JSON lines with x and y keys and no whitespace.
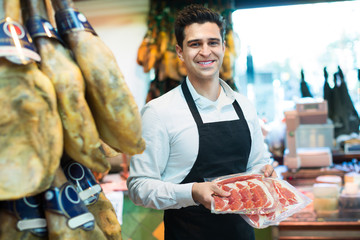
{"x":206,"y":63}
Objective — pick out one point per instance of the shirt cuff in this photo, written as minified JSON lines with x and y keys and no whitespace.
{"x":184,"y":195}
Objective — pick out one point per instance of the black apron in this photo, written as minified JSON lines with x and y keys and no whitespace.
{"x":224,"y":148}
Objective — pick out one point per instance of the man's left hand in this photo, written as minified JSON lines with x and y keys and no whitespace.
{"x":269,"y":171}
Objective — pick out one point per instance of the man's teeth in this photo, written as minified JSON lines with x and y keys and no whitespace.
{"x":205,"y":63}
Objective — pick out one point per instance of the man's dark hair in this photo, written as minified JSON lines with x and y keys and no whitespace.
{"x":196,"y":13}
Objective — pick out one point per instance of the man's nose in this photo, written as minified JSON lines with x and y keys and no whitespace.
{"x":205,"y":50}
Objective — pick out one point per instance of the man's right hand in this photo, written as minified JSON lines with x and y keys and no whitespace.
{"x":202,"y":193}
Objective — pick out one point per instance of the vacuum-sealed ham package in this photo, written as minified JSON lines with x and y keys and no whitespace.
{"x":261,"y":201}
{"x":249,"y":194}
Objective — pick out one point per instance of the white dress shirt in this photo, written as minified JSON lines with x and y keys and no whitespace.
{"x":172,"y":144}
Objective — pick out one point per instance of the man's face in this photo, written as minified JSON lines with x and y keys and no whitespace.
{"x":203,"y":51}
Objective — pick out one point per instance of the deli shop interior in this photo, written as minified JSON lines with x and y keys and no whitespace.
{"x":63,"y":170}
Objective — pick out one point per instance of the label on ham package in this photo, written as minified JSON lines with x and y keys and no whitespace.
{"x":84,"y":181}
{"x":68,"y":20}
{"x":66,"y":201}
{"x":15,"y":43}
{"x":40,"y":27}
{"x":29,"y":213}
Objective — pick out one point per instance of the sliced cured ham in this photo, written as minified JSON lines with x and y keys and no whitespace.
{"x":290,"y":201}
{"x":263,"y":220}
{"x":237,"y":178}
{"x":260,"y":201}
{"x":286,"y":196}
{"x":248,"y":194}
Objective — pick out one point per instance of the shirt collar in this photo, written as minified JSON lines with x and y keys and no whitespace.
{"x":226,"y":96}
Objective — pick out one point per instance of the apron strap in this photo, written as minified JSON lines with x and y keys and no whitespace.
{"x":191,"y":104}
{"x":238,"y":110}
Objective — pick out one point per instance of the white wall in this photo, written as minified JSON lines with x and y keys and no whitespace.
{"x":121,"y":24}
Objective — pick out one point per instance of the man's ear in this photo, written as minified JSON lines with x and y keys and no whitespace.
{"x":224,"y":45}
{"x":179,"y":52}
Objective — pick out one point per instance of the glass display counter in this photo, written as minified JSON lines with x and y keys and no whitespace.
{"x":308,"y":224}
{"x":339,"y":229}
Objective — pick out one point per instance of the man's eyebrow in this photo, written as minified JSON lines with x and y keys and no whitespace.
{"x":197,"y":40}
{"x":193,"y":40}
{"x":214,"y":39}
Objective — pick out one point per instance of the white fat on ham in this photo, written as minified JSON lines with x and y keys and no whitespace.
{"x":287,"y":197}
{"x":250,"y":196}
{"x":270,"y":201}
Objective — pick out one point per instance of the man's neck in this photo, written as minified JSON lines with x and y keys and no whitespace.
{"x":209,"y":88}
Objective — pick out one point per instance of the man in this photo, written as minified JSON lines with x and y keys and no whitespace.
{"x":199,"y":130}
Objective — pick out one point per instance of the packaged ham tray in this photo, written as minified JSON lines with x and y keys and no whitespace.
{"x":260,"y":201}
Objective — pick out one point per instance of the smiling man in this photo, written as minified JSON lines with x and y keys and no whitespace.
{"x":197,"y":131}
{"x":202,"y":51}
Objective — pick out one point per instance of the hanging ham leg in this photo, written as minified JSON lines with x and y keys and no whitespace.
{"x":114,"y":108}
{"x":105,"y":217}
{"x":81,"y":138}
{"x":58,"y":227}
{"x":91,"y":193}
{"x":9,"y":231}
{"x":31,"y":135}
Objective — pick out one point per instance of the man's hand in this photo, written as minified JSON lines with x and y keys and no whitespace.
{"x":269,"y":171}
{"x":202,"y":193}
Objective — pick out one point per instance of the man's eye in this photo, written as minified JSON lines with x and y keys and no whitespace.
{"x":213,"y":43}
{"x":194,"y":45}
